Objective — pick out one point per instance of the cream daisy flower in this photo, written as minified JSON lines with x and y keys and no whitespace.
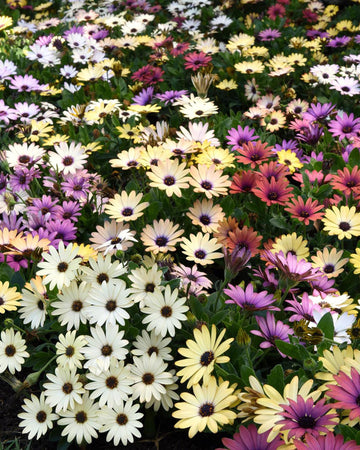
{"x":60,"y":266}
{"x":37,"y":416}
{"x":150,"y":377}
{"x":343,"y":222}
{"x":72,"y":304}
{"x":152,"y":343}
{"x":144,"y":282}
{"x":167,"y":400}
{"x":161,"y":237}
{"x":127,"y":159}
{"x":329,"y":262}
{"x":111,"y":386}
{"x":169,"y":176}
{"x":205,"y":214}
{"x":80,"y":421}
{"x":209,"y":180}
{"x":201,"y":249}
{"x":122,"y":422}
{"x":24,"y":155}
{"x":165,"y":312}
{"x":202,"y":354}
{"x":126,"y":207}
{"x":34,"y":303}
{"x":69,"y":350}
{"x":206,"y":408}
{"x":113,"y":236}
{"x":12,"y":351}
{"x":64,"y":389}
{"x":9,"y":297}
{"x":103,"y":270}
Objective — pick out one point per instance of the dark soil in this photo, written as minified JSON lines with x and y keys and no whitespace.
{"x":167,"y":437}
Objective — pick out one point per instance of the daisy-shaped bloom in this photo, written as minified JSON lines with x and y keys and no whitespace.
{"x":121,"y":422}
{"x":152,"y":343}
{"x":195,"y":60}
{"x":253,"y":153}
{"x":207,"y":407}
{"x":195,"y":107}
{"x":249,"y":300}
{"x":37,"y":416}
{"x":127,"y":159}
{"x":28,"y":155}
{"x":71,"y":304}
{"x":102,"y":347}
{"x":335,"y":360}
{"x":344,"y":126}
{"x":169,"y":176}
{"x":305,"y":212}
{"x":34,"y":303}
{"x":209,"y":180}
{"x":103,"y":270}
{"x":250,"y":438}
{"x":355,"y":260}
{"x":222,"y":158}
{"x":12,"y":351}
{"x":111,"y":237}
{"x":161,"y":237}
{"x":126,"y":207}
{"x":165,"y":312}
{"x":28,"y":245}
{"x":201,"y":249}
{"x":167,"y":400}
{"x":343,"y":222}
{"x":327,"y":442}
{"x":107,"y":303}
{"x":346,"y":392}
{"x":239,"y":136}
{"x":80,"y":421}
{"x":289,"y":159}
{"x":273,"y":191}
{"x":144,"y":282}
{"x":202,"y":354}
{"x":64,"y":389}
{"x":60,"y":266}
{"x":111,"y":386}
{"x":270,"y":330}
{"x":69,"y":350}
{"x":249,"y":67}
{"x":243,"y":181}
{"x":342,"y":324}
{"x":345,"y":85}
{"x":205,"y":214}
{"x":345,"y":181}
{"x":291,"y":243}
{"x":329,"y":262}
{"x":150,"y":377}
{"x":191,"y":279}
{"x":9,"y":297}
{"x":245,"y":238}
{"x":274,"y":121}
{"x":198,"y":132}
{"x":68,"y":158}
{"x":306,"y":417}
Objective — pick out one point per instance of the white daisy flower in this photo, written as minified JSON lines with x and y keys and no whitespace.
{"x":144,"y":282}
{"x":166,"y":400}
{"x":64,"y":389}
{"x":165,"y":312}
{"x":33,"y":303}
{"x":68,"y":348}
{"x":102,"y":346}
{"x":68,"y":158}
{"x":37,"y":416}
{"x":108,"y":303}
{"x":103,"y":270}
{"x":81,"y":421}
{"x":12,"y":351}
{"x":24,"y":155}
{"x":60,"y":266}
{"x":72,"y":304}
{"x":150,"y":377}
{"x":152,"y":343}
{"x":111,"y":386}
{"x":121,"y":423}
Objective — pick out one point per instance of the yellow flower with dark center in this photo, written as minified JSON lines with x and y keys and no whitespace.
{"x":355,"y":260}
{"x":343,"y":222}
{"x":8,"y":297}
{"x":291,"y":243}
{"x":5,"y":22}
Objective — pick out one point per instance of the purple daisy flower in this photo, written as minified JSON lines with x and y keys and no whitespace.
{"x":303,"y":310}
{"x":269,"y":34}
{"x":38,"y":220}
{"x":25,"y":111}
{"x":170,"y":96}
{"x":74,"y":29}
{"x":318,"y":111}
{"x":69,"y":210}
{"x":6,"y":113}
{"x":144,"y":97}
{"x":344,"y":126}
{"x":306,"y":417}
{"x":12,"y":222}
{"x":250,"y":439}
{"x":327,"y":442}
{"x":3,"y":183}
{"x":76,"y":186}
{"x":271,"y":331}
{"x":101,"y":34}
{"x":322,"y":285}
{"x":269,"y":280}
{"x":317,"y":33}
{"x":239,"y":136}
{"x":65,"y":231}
{"x":45,"y":205}
{"x":311,"y":135}
{"x":250,"y":300}
{"x":16,"y":262}
{"x":22,"y":178}
{"x":25,"y":83}
{"x":338,"y":41}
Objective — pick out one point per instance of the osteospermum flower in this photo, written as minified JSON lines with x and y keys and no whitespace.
{"x":209,"y":180}
{"x":202,"y":354}
{"x":253,"y":153}
{"x":201,"y":249}
{"x":68,"y":158}
{"x":291,"y":243}
{"x":305,"y":211}
{"x":249,"y":300}
{"x":12,"y":351}
{"x":329,"y":262}
{"x":327,"y":442}
{"x":249,"y":439}
{"x":60,"y":266}
{"x":162,"y":236}
{"x":343,"y":222}
{"x":169,"y":176}
{"x":355,"y":260}
{"x":205,"y":214}
{"x":124,"y":207}
{"x":37,"y":416}
{"x":344,"y":126}
{"x":273,"y":191}
{"x":9,"y":297}
{"x":34,"y":303}
{"x":68,"y":349}
{"x":207,"y":407}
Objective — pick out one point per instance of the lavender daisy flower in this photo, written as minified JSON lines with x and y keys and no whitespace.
{"x":271,"y":331}
{"x":65,"y":231}
{"x":144,"y":97}
{"x":16,"y":262}
{"x":269,"y":34}
{"x":303,"y":310}
{"x":250,"y":438}
{"x":22,"y":178}
{"x":76,"y":186}
{"x":239,"y":136}
{"x":345,"y":85}
{"x":306,"y":417}
{"x":12,"y":222}
{"x":322,"y":285}
{"x":69,"y":210}
{"x":338,"y":41}
{"x":72,"y":30}
{"x":344,"y":126}
{"x":250,"y":300}
{"x":317,"y":33}
{"x":327,"y":442}
{"x":170,"y":96}
{"x":44,"y":205}
{"x":311,"y":135}
{"x":7,"y":69}
{"x":25,"y":111}
{"x":25,"y":83}
{"x":3,"y":183}
{"x":6,"y":113}
{"x":318,"y":111}
{"x":38,"y":220}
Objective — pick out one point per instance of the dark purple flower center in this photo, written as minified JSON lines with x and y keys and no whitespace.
{"x":115,"y":241}
{"x":24,"y":159}
{"x":347,"y":129}
{"x":62,"y":267}
{"x":68,"y":160}
{"x":10,"y":350}
{"x":148,"y":378}
{"x":345,"y":226}
{"x":206,"y":410}
{"x":161,"y":241}
{"x":150,"y":287}
{"x":206,"y":185}
{"x":69,"y":351}
{"x":126,"y":212}
{"x":200,"y":254}
{"x":205,"y":219}
{"x":169,"y":181}
{"x":206,"y":358}
{"x":273,"y":195}
{"x":152,"y":350}
{"x":307,"y":422}
{"x":102,"y":277}
{"x":329,"y":268}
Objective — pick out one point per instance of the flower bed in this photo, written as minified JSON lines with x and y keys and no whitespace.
{"x":179,"y":200}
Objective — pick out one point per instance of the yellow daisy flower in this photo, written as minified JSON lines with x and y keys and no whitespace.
{"x":201,"y":355}
{"x":250,"y":67}
{"x":221,"y":157}
{"x":329,"y":262}
{"x":343,"y":222}
{"x":206,"y":214}
{"x":227,"y":85}
{"x":240,"y":41}
{"x":125,"y":207}
{"x":145,"y":109}
{"x":91,"y":73}
{"x":333,"y":361}
{"x":355,"y":260}
{"x":127,"y":159}
{"x":85,"y":251}
{"x":293,"y":244}
{"x":8,"y":297}
{"x":128,"y":132}
{"x":169,"y":176}
{"x":289,"y":159}
{"x":5,"y":22}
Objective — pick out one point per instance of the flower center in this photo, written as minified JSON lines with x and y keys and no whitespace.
{"x":106,"y":350}
{"x":206,"y":358}
{"x":62,"y":267}
{"x":166,"y":311}
{"x":111,"y":382}
{"x":200,"y":254}
{"x":329,"y":268}
{"x":40,"y":305}
{"x":81,"y":417}
{"x":126,"y":212}
{"x":67,"y":388}
{"x":161,"y":241}
{"x":306,"y":422}
{"x":41,"y":416}
{"x":111,"y":305}
{"x":272,"y":196}
{"x":2,"y":301}
{"x":152,"y":350}
{"x":347,"y":129}
{"x":169,"y":181}
{"x":76,"y":306}
{"x":148,"y":378}
{"x":10,"y":350}
{"x":122,"y":419}
{"x":205,"y":219}
{"x":102,"y":277}
{"x":115,"y":241}
{"x":206,"y":410}
{"x":206,"y":185}
{"x":69,"y":351}
{"x":68,"y":160}
{"x":24,"y":159}
{"x":150,"y":287}
{"x":345,"y":226}
{"x":350,"y":184}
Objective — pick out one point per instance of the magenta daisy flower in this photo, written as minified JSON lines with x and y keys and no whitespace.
{"x":303,"y":310}
{"x":250,"y":300}
{"x":306,"y":417}
{"x":327,"y":442}
{"x":239,"y":136}
{"x":273,"y":191}
{"x":304,"y":212}
{"x":195,"y":60}
{"x":269,"y":34}
{"x":290,"y":267}
{"x":271,"y":331}
{"x":250,"y":439}
{"x":344,"y":126}
{"x":318,"y":111}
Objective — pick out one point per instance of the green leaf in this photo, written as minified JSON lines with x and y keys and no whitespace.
{"x":326,"y":325}
{"x":196,"y":308}
{"x":245,"y":373}
{"x":279,"y":221}
{"x":276,"y":378}
{"x":354,"y":157}
{"x":288,"y":349}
